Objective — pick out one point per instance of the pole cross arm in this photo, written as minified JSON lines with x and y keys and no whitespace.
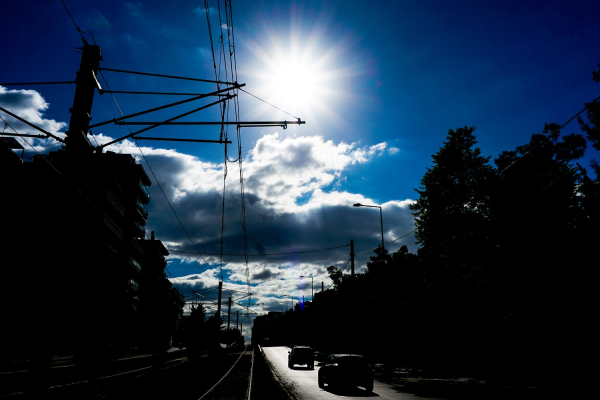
{"x":165,"y":106}
{"x":32,"y":125}
{"x":241,"y":123}
{"x":183,"y":140}
{"x":166,"y":76}
{"x":25,"y":135}
{"x":37,"y":83}
{"x":160,"y":123}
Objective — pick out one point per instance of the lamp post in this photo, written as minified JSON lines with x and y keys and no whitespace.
{"x":380,"y":218}
{"x":311,"y":285}
{"x":285,"y":295}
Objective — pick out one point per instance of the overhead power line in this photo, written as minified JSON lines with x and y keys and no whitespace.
{"x":261,"y":254}
{"x":167,"y":76}
{"x":395,"y":240}
{"x":72,"y":19}
{"x":264,"y":101}
{"x":152,"y":171}
{"x":36,"y":83}
{"x":540,"y":142}
{"x":32,"y":125}
{"x":156,"y":108}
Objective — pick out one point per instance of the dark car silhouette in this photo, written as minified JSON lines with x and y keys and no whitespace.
{"x":346,"y":370}
{"x":302,"y":355}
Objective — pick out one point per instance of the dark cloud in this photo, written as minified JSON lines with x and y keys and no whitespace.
{"x":264,"y":275}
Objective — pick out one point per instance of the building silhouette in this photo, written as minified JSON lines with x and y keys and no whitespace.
{"x":80,"y":276}
{"x":266,"y":331}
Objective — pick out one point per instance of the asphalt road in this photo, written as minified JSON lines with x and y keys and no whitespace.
{"x":304,"y":381}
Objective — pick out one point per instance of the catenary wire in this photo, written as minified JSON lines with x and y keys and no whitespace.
{"x":152,"y":171}
{"x":262,"y":254}
{"x":264,"y":101}
{"x":398,"y":238}
{"x":540,"y":142}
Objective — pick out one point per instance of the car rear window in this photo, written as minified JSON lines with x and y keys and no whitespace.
{"x":302,"y":351}
{"x":355,"y":362}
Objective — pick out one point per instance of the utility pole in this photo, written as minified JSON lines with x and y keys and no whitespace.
{"x":322,"y":289}
{"x":81,"y":112}
{"x":229,"y":312}
{"x":352,"y":258}
{"x":219,"y":303}
{"x":237,"y":319}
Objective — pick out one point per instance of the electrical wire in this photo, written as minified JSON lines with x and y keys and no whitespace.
{"x":77,"y":27}
{"x":239,"y":138}
{"x":212,"y":48}
{"x":540,"y":142}
{"x":264,"y":101}
{"x":189,"y":287}
{"x":73,"y":186}
{"x":398,"y":238}
{"x":72,"y":19}
{"x":151,"y":170}
{"x":263,"y":254}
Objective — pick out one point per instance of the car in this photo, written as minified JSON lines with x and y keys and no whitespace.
{"x":345,"y":370}
{"x":301,"y":355}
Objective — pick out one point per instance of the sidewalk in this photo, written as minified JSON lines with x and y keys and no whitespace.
{"x":427,"y":385}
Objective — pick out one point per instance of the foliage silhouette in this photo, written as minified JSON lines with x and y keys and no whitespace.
{"x":501,"y":284}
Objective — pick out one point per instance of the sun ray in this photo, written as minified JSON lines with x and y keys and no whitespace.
{"x":302,"y":73}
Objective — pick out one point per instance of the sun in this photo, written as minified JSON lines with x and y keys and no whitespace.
{"x":294,"y":83}
{"x":298,"y":75}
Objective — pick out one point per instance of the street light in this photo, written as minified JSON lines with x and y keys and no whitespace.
{"x":285,"y":295}
{"x":311,"y":285}
{"x":380,"y":218}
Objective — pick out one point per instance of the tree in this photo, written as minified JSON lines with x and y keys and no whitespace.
{"x":335,"y":274}
{"x":452,"y":218}
{"x":539,"y":232}
{"x":232,"y":338}
{"x":379,"y":261}
{"x":453,"y":199}
{"x":592,"y":127}
{"x":197,"y":331}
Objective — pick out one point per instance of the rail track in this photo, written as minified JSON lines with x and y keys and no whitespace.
{"x":21,"y":377}
{"x":65,"y":376}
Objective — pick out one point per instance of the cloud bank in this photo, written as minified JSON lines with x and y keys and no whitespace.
{"x":294,"y":205}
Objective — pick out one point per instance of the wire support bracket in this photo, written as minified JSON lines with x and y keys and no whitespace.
{"x":183,"y":140}
{"x":32,"y":125}
{"x":238,"y":123}
{"x":160,"y":123}
{"x":158,"y":93}
{"x":37,"y":83}
{"x":163,"y":107}
{"x":167,"y":76}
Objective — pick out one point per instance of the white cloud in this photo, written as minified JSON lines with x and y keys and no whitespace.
{"x":97,"y":21}
{"x":393,"y":150}
{"x":202,"y":11}
{"x":133,"y":41}
{"x":205,"y":53}
{"x":294,"y":205}
{"x":287,"y":190}
{"x":29,"y":105}
{"x":363,"y":154}
{"x":281,"y":171}
{"x":136,"y":9}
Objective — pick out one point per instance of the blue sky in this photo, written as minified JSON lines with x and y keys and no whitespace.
{"x":378,"y":83}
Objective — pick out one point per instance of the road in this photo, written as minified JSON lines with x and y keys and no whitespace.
{"x":304,"y":381}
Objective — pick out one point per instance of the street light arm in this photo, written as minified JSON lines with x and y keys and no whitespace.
{"x":380,"y":217}
{"x":381,"y":220}
{"x":365,"y":205}
{"x":312,"y":286}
